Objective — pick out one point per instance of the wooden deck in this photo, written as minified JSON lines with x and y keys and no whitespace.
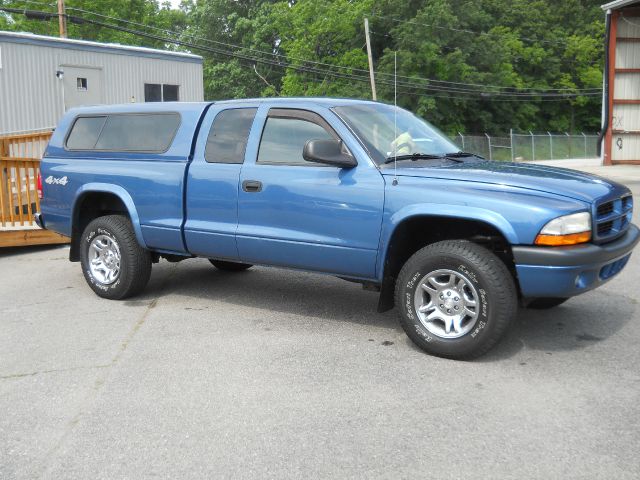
{"x":19,"y":169}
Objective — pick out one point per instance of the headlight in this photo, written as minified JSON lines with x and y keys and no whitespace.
{"x":567,"y":230}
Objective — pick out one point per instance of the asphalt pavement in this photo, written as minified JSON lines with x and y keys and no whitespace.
{"x":270,"y":373}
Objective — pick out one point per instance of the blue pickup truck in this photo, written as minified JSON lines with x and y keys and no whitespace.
{"x":361,"y":190}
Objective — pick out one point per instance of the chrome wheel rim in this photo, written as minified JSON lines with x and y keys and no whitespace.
{"x":446,"y":303}
{"x":104,"y":259}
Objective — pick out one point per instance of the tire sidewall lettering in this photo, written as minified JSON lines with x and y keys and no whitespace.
{"x":473,"y":276}
{"x":468,"y":273}
{"x":92,"y":280}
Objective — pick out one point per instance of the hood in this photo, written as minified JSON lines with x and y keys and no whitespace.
{"x":559,"y":181}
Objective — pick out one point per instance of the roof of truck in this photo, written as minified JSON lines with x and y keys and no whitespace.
{"x":192,"y":106}
{"x":326,"y":101}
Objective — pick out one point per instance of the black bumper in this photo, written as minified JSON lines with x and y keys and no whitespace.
{"x":578,"y":254}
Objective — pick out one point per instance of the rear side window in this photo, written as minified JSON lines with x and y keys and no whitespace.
{"x":227,"y":140}
{"x":152,"y":132}
{"x":85,"y":133}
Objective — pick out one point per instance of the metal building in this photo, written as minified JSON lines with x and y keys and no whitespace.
{"x":621,"y":102}
{"x":41,"y":77}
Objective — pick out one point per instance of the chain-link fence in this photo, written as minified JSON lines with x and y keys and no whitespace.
{"x":529,"y":146}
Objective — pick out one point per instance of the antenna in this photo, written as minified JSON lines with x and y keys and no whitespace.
{"x":395,"y":118}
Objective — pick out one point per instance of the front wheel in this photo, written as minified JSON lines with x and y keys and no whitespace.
{"x":113,"y":263}
{"x":456,"y":299}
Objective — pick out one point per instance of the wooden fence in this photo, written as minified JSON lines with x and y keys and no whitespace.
{"x":19,"y":168}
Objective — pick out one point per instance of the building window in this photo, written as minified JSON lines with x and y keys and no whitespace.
{"x":157,"y":92}
{"x":81,"y":83}
{"x":152,"y":92}
{"x":169,"y":93}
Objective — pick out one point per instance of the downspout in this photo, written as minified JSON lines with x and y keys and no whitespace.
{"x":605,"y":91}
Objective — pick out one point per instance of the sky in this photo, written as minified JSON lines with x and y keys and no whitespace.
{"x":175,"y":3}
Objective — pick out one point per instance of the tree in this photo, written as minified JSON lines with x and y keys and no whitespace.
{"x":465,"y":65}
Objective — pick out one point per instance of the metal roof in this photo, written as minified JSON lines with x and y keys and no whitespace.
{"x":619,"y":4}
{"x":113,"y":48}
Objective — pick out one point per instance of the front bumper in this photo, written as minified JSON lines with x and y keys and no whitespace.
{"x":570,"y":271}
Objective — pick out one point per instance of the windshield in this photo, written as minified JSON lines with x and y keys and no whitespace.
{"x":374,"y":125}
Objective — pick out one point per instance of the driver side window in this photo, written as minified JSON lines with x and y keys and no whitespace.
{"x":284,"y":137}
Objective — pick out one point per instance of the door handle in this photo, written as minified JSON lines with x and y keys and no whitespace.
{"x":252,"y":186}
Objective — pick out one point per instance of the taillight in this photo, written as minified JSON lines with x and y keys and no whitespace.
{"x":39,"y":186}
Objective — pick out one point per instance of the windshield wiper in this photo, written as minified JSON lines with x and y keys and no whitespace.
{"x":461,"y":155}
{"x":413,"y":157}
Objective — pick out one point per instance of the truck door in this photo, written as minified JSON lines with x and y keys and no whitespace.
{"x":306,"y":215}
{"x":212,"y":183}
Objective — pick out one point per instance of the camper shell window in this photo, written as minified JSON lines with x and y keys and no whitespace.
{"x":129,"y":132}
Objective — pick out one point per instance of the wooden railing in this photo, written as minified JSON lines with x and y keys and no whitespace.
{"x":19,"y":169}
{"x":18,"y":191}
{"x":25,"y":145}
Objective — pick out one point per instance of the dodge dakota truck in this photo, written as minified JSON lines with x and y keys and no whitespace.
{"x":360,"y":190}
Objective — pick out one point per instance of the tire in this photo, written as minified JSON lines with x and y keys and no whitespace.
{"x":477,"y":274}
{"x":229,"y":266}
{"x":545,"y":303}
{"x":103,"y":241}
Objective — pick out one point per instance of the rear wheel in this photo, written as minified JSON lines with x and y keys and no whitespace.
{"x":229,"y":266}
{"x":456,"y":299}
{"x":113,"y":263}
{"x":545,"y":303}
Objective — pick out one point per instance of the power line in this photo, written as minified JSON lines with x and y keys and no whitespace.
{"x":458,"y":87}
{"x":335,"y":74}
{"x":330,"y":65}
{"x":285,"y":65}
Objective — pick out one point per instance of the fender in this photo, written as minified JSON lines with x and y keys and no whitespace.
{"x":387,"y":284}
{"x":119,"y":192}
{"x":442,"y":210}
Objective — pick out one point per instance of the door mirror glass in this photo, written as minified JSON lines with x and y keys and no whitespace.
{"x":328,"y":152}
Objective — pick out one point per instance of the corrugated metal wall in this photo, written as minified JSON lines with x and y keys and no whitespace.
{"x":31,"y":96}
{"x":625,"y":118}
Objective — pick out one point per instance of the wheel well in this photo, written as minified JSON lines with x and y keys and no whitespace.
{"x":417,"y":232}
{"x":89,"y":207}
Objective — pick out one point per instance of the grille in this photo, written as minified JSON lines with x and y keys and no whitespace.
{"x":605,"y":228}
{"x":612,"y":218}
{"x":605,"y":209}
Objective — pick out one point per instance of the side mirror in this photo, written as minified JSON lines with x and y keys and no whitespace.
{"x":329,"y":152}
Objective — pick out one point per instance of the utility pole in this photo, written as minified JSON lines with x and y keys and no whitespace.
{"x":373,"y":80}
{"x":62,"y":19}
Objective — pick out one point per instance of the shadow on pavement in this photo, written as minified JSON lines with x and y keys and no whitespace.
{"x":14,"y":251}
{"x":284,"y":291}
{"x":577,"y":324}
{"x":580,"y":322}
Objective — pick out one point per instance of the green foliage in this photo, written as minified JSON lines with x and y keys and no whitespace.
{"x":516,"y":44}
{"x":145,"y":12}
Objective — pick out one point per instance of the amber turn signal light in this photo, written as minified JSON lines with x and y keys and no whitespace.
{"x":560,"y":240}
